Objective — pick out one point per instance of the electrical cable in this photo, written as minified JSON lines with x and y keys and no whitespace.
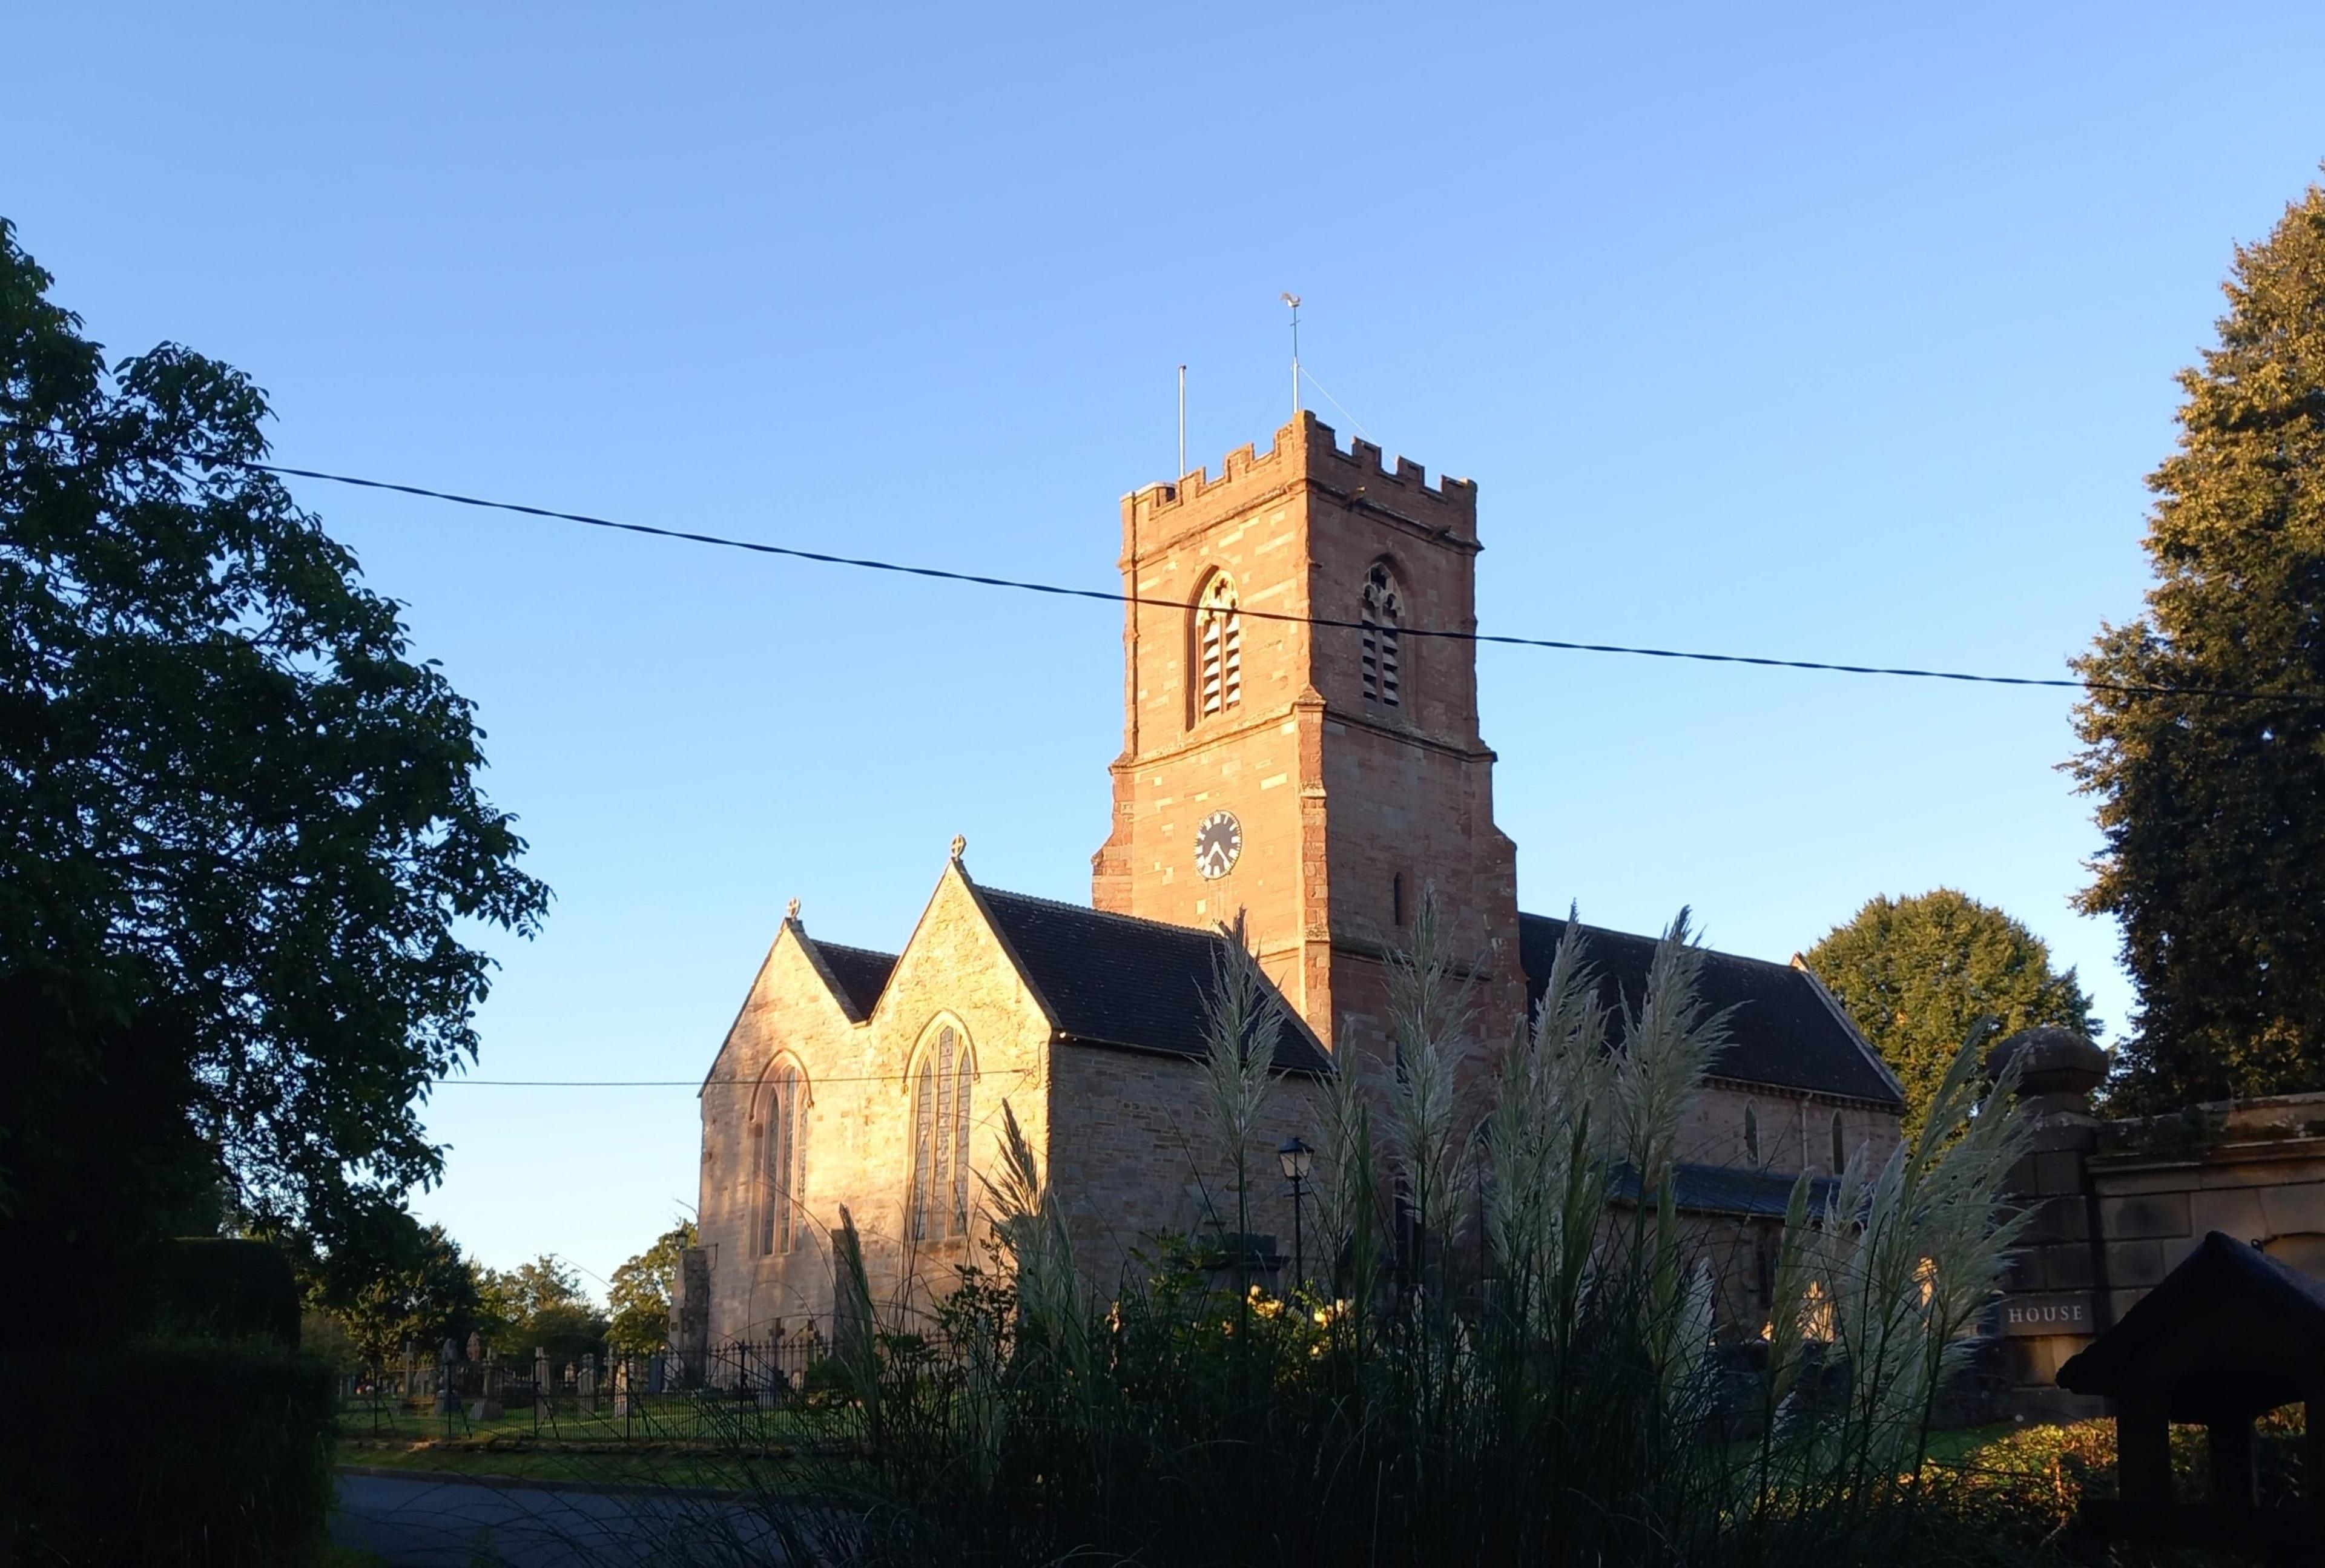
{"x":691,"y":1082}
{"x":1103,"y":595}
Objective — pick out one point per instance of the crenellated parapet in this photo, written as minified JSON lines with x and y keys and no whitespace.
{"x":1307,"y":450}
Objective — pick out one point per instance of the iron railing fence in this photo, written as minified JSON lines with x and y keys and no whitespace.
{"x":625,"y":1396}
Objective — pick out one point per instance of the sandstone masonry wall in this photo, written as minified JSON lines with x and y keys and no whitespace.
{"x":858,"y":1144}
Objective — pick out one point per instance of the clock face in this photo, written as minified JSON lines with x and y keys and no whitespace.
{"x":1218,"y":842}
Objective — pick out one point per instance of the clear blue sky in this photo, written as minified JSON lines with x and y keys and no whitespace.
{"x":1806,"y":330}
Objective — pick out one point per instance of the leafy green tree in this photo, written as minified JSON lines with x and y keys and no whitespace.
{"x":641,"y":1287}
{"x":1915,"y":974}
{"x":538,"y":1305}
{"x":2213,"y":807}
{"x":410,"y":1285}
{"x":240,"y":832}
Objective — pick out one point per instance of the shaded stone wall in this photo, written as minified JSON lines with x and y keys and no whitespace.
{"x":2116,"y":1204}
{"x":1133,"y":1157}
{"x":1795,"y":1129}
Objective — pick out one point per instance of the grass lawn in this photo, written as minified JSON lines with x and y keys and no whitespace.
{"x":672,"y":1443}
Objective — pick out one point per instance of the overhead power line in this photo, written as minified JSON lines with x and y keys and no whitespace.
{"x":1106,"y":596}
{"x":690,"y":1082}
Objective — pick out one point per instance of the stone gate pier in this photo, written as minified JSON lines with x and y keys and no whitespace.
{"x":2118,"y":1203}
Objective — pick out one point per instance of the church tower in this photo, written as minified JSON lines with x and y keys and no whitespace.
{"x":1315,"y":778}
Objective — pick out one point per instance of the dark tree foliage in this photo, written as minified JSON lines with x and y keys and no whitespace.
{"x":537,"y":1306}
{"x":1915,"y":974}
{"x":391,"y":1282}
{"x":2213,"y":808}
{"x":641,"y":1292}
{"x":240,"y":830}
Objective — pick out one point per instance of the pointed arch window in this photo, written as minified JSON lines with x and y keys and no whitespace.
{"x":1382,"y":614}
{"x":1839,"y":1144}
{"x":779,"y":1166}
{"x":1218,"y":649}
{"x":940,"y":1109}
{"x":1752,"y":1132}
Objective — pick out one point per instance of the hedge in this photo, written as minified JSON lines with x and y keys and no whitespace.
{"x":187,"y":1451}
{"x":226,"y":1289}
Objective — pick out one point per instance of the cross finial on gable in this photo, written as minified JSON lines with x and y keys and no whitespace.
{"x":959,"y":845}
{"x":790,"y":910}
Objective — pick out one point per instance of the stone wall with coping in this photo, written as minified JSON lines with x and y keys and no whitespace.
{"x":2115,"y":1205}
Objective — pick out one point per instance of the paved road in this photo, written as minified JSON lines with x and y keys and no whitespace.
{"x":425,"y":1521}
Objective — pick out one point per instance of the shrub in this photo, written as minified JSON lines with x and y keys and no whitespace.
{"x":213,"y":1287}
{"x":169,"y":1453}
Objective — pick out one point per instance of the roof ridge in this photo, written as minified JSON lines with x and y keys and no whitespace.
{"x":1588,"y":929}
{"x":823,"y":946}
{"x":1144,"y":922}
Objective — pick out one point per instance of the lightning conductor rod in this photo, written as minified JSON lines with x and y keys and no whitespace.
{"x":1292,"y":300}
{"x":1182,"y":422}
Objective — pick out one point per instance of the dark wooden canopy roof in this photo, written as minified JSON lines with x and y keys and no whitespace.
{"x":2228,"y":1334}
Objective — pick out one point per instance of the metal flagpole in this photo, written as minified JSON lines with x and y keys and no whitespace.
{"x":1292,"y":300}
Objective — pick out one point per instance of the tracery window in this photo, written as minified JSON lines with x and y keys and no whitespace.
{"x":940,"y":1097}
{"x":780,"y":1165}
{"x":1382,"y":613}
{"x":1218,"y":648}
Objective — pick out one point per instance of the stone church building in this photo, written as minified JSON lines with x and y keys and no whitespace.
{"x":1315,"y":778}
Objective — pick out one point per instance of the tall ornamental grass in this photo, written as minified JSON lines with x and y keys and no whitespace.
{"x":1510,"y":1358}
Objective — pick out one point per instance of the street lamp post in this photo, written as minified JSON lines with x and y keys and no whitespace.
{"x":1295,"y":1157}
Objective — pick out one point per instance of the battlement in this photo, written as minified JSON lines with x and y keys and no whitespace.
{"x":1308,"y":449}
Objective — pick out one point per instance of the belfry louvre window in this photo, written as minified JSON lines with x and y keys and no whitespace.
{"x":1383,"y":612}
{"x":940,"y":1093}
{"x":781,"y":1162}
{"x":1218,"y":649}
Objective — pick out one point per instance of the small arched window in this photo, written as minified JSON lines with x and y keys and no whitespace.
{"x":941,"y":1094}
{"x":1839,"y":1144}
{"x":1218,"y":649}
{"x":780,"y":1168}
{"x":1752,"y":1133}
{"x":1384,"y":611}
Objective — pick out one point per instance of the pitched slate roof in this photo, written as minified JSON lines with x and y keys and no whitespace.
{"x":1113,"y":979}
{"x":1727,"y":1190}
{"x":860,"y":973}
{"x":1783,"y":1030}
